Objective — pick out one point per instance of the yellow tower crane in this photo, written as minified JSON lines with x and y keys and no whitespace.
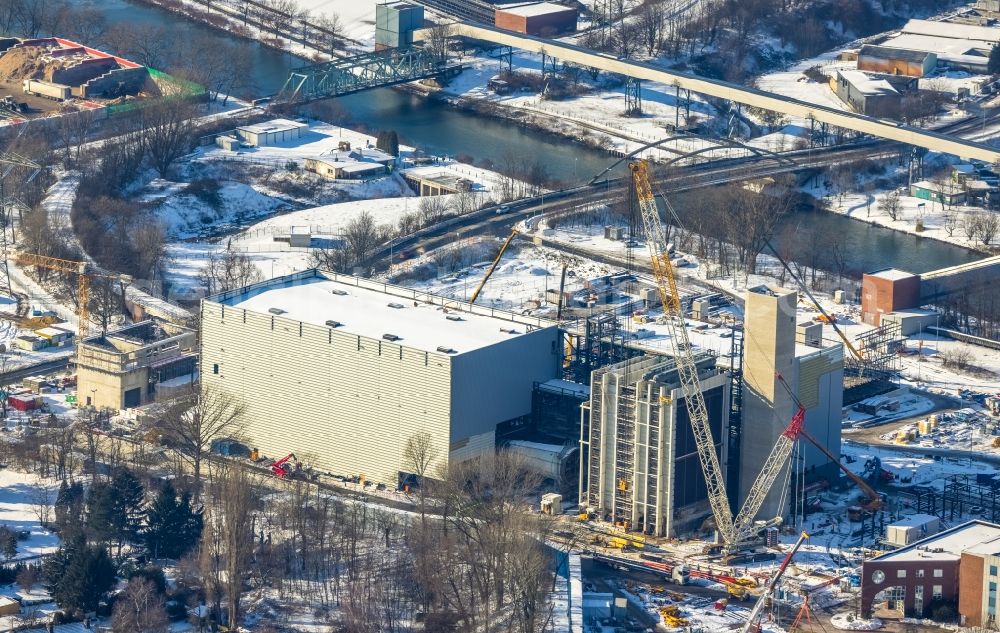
{"x":83,"y":278}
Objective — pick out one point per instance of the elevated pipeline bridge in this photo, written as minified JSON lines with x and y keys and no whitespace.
{"x":889,"y":130}
{"x":361,"y":72}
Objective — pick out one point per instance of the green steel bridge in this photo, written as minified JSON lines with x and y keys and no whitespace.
{"x":362,"y":72}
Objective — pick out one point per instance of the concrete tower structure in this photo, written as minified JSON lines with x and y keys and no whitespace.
{"x":813,"y":369}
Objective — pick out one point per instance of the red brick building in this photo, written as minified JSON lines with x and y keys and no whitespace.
{"x":537,"y":18}
{"x":886,"y":291}
{"x":957,"y":567}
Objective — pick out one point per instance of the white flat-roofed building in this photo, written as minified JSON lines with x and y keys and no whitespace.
{"x":271,"y":132}
{"x":342,"y":371}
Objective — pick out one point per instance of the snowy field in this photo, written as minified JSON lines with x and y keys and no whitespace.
{"x":21,"y":496}
{"x":265,"y":214}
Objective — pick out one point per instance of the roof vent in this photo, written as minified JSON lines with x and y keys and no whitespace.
{"x":397,"y":306}
{"x":275,"y":310}
{"x":338,"y":291}
{"x":445,"y":350}
{"x":390,"y":337}
{"x":332,"y":323}
{"x":454,"y":317}
{"x":509,"y":330}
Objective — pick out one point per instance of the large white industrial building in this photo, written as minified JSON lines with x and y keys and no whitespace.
{"x":342,"y":371}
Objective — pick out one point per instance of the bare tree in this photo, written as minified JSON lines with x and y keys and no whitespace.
{"x":332,"y":257}
{"x":989,"y":223}
{"x":483,"y":560}
{"x":753,"y":215}
{"x":72,"y":130}
{"x":890,"y":205}
{"x":169,"y":132}
{"x":228,"y":270}
{"x":195,"y":421}
{"x":970,"y":226}
{"x":361,"y":234}
{"x":148,"y":44}
{"x":652,"y":22}
{"x":140,"y":608}
{"x":235,"y":490}
{"x":418,"y":455}
{"x":949,"y":224}
{"x":437,"y":44}
{"x":432,"y":210}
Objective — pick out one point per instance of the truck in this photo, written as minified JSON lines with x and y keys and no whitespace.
{"x":672,"y":572}
{"x":49,"y":90}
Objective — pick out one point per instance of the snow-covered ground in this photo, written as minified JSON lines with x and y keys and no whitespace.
{"x":21,"y":497}
{"x":386,"y":199}
{"x":940,"y":222}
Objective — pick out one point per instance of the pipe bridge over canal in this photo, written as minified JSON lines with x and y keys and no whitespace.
{"x":362,"y":72}
{"x":889,"y":130}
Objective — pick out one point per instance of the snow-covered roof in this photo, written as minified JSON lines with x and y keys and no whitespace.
{"x":916,"y":520}
{"x":953,"y":30}
{"x":892,"y":52}
{"x":864,"y":84}
{"x":975,"y":536}
{"x":49,"y":332}
{"x":370,"y":309}
{"x":274,"y":125}
{"x":534,"y":9}
{"x":558,"y":384}
{"x":892,"y":274}
{"x":359,"y":168}
{"x":944,"y":47}
{"x":944,"y":187}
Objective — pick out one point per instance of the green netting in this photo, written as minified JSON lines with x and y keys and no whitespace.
{"x":172,"y":87}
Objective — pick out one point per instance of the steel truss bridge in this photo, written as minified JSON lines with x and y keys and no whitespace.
{"x":361,"y":72}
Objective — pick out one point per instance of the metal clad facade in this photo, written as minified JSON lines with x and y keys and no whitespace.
{"x":340,"y":402}
{"x":493,"y":384}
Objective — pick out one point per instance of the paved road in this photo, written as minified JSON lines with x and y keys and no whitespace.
{"x":20,"y":373}
{"x":687,"y":178}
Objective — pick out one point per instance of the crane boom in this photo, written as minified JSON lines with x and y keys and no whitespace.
{"x":829,"y":319}
{"x":687,"y":368}
{"x":776,"y":462}
{"x":493,"y":266}
{"x":759,"y":605}
{"x":874,"y":500}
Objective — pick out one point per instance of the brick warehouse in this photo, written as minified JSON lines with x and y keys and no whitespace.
{"x":537,"y":18}
{"x":958,"y":567}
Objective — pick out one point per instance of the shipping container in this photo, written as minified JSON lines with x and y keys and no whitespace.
{"x":46,"y":89}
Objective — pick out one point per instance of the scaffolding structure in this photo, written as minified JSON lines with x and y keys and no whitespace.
{"x":602,"y":344}
{"x":735,"y":415}
{"x":960,"y":495}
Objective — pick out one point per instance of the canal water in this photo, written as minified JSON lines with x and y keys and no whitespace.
{"x":439,"y":129}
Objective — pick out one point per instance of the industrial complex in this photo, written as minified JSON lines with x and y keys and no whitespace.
{"x":649,"y":373}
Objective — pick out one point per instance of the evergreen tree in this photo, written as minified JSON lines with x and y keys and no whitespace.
{"x":115,"y":509}
{"x":172,"y":526}
{"x":392,"y":143}
{"x":87,"y":575}
{"x":100,"y":512}
{"x":129,"y":498}
{"x":69,"y":506}
{"x":993,"y":65}
{"x":382,"y":140}
{"x":8,"y":543}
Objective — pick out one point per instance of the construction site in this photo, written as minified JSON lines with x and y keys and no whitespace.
{"x":709,"y":446}
{"x":46,"y":76}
